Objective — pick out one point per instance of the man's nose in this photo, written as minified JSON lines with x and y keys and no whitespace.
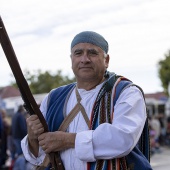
{"x":85,"y":58}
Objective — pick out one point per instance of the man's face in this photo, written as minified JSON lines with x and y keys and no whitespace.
{"x":88,"y":62}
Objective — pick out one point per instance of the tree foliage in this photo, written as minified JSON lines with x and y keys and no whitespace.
{"x":42,"y":82}
{"x":164,"y":71}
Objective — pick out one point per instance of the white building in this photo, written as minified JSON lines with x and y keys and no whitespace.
{"x":12,"y":103}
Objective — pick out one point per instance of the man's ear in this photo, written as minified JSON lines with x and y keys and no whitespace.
{"x":107,"y":59}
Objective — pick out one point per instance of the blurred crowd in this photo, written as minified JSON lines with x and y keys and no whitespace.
{"x":159,"y":132}
{"x":12,"y":131}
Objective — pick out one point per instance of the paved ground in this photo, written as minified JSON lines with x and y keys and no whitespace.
{"x":161,"y":161}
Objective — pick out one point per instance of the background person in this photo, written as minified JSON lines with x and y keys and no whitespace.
{"x":19,"y":130}
{"x":4,"y":136}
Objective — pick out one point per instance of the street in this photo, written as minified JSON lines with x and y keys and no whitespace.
{"x":161,"y":161}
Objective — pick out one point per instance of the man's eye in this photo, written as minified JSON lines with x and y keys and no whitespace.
{"x":93,"y":52}
{"x":77,"y":52}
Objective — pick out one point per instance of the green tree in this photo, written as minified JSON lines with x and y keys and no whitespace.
{"x":42,"y":82}
{"x":164,"y":71}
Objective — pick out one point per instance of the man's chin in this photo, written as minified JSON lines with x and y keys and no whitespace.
{"x":86,"y":77}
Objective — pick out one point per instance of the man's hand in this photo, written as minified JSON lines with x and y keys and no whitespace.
{"x":49,"y":141}
{"x":56,"y":141}
{"x":35,"y":129}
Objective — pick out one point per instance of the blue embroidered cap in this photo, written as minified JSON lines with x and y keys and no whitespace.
{"x":92,"y":38}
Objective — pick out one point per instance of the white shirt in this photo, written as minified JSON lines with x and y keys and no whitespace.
{"x":107,"y":141}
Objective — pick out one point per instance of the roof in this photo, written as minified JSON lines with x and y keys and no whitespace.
{"x":158,"y":96}
{"x":9,"y":91}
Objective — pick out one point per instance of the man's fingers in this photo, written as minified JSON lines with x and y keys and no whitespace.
{"x":41,"y":138}
{"x":35,"y":128}
{"x":32,"y":117}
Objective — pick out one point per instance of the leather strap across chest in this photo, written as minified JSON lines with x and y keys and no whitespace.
{"x":78,"y":107}
{"x":63,"y":127}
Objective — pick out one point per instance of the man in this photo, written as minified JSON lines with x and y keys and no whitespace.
{"x":18,"y":132}
{"x":1,"y":127}
{"x":18,"y":129}
{"x":1,"y":132}
{"x":116,"y":117}
{"x":4,"y":136}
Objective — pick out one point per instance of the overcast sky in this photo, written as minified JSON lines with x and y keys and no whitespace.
{"x":138,"y":33}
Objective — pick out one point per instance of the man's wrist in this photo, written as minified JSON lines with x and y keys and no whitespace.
{"x":33,"y":146}
{"x":70,"y":140}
